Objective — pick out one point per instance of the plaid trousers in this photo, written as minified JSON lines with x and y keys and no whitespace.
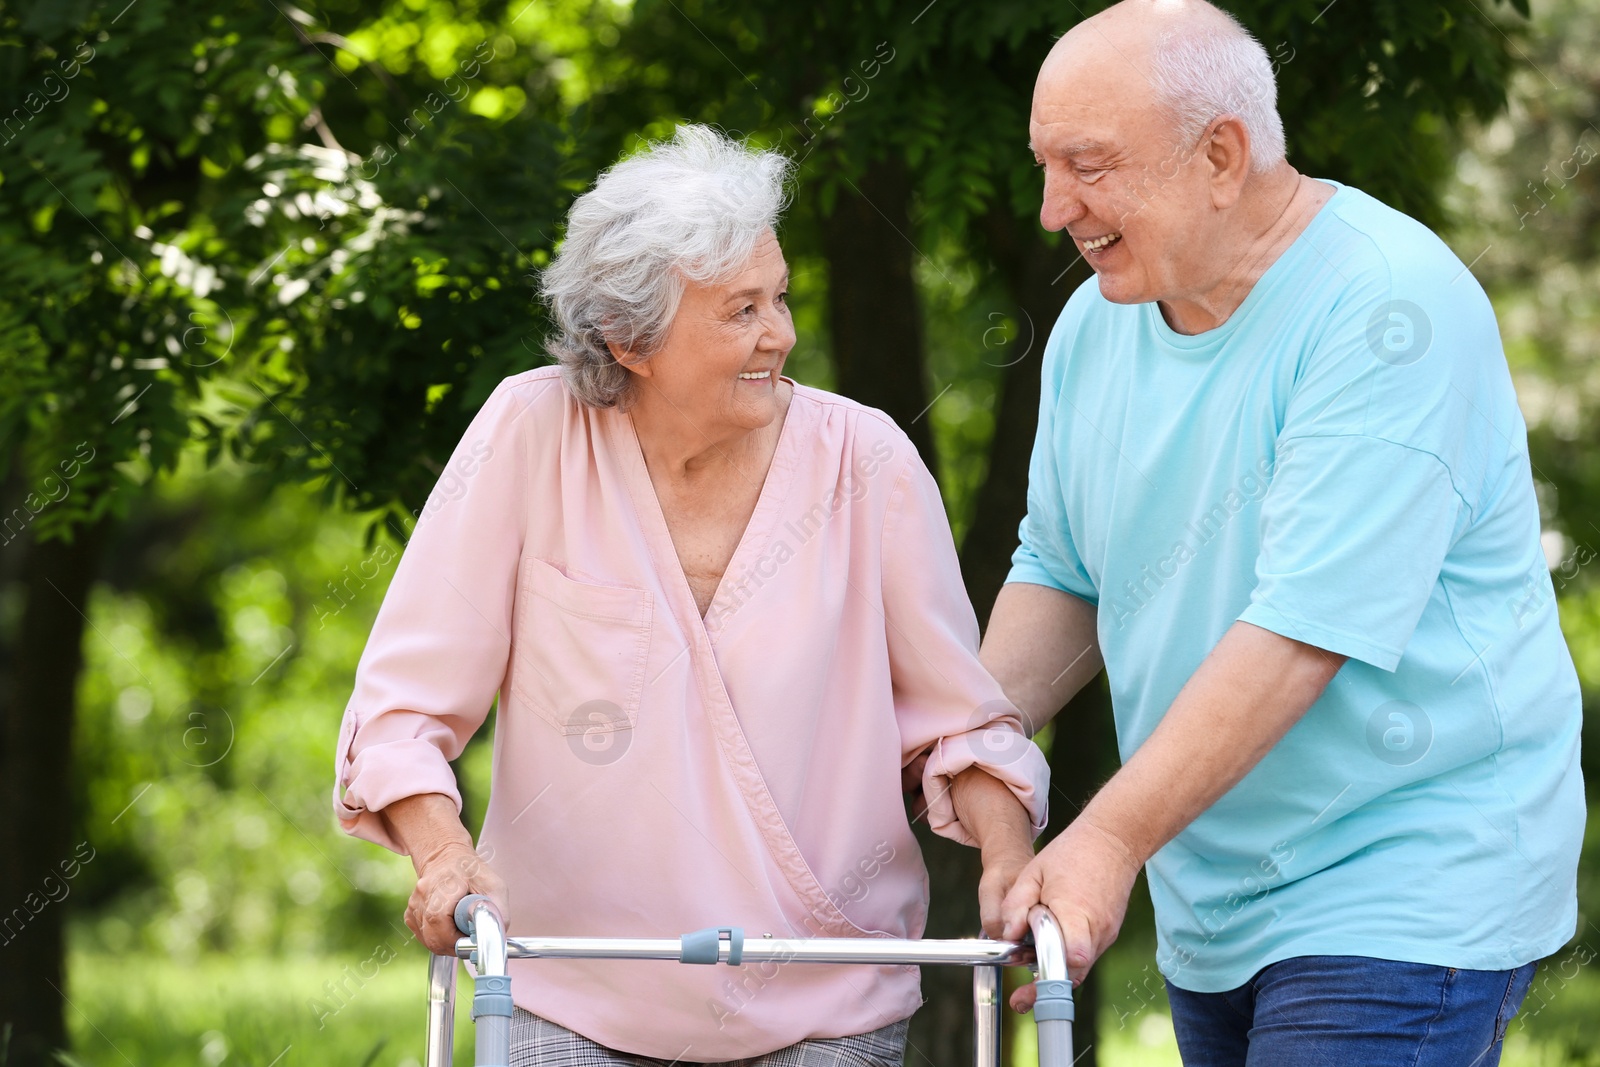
{"x":537,"y":1042}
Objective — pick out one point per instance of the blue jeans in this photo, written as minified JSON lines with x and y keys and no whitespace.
{"x":1314,"y":1010}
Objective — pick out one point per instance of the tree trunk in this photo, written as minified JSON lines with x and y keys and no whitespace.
{"x":39,"y":667}
{"x":875,"y":326}
{"x":875,"y":322}
{"x":1039,"y":279}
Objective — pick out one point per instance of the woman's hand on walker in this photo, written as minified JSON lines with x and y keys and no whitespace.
{"x":443,"y":878}
{"x":427,"y":828}
{"x":1002,"y":866}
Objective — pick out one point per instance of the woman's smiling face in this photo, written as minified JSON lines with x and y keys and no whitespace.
{"x":719,"y":364}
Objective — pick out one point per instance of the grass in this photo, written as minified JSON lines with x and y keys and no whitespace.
{"x":291,"y":1012}
{"x":284,"y":1012}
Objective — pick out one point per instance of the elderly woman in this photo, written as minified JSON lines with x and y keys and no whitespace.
{"x":722,"y":613}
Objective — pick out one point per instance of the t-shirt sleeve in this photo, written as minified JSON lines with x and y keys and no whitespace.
{"x":1379,"y":461}
{"x":1354,"y":533}
{"x":1046,"y":554}
{"x":438,"y":650}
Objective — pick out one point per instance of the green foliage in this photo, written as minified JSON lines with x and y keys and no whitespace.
{"x":953,"y":95}
{"x":110,"y":308}
{"x":247,"y":1010}
{"x":220,"y":233}
{"x":310,"y":237}
{"x":1529,"y":191}
{"x":216,"y":669}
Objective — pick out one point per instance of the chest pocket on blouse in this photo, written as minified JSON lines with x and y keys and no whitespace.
{"x":580,"y":650}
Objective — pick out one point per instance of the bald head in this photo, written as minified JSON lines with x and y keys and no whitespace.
{"x":1156,"y":124}
{"x":1130,"y":29}
{"x":1188,"y":58}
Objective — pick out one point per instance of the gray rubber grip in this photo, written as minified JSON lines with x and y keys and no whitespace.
{"x":703,"y":946}
{"x":464,"y":912}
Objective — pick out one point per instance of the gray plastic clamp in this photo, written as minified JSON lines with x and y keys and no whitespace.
{"x":1054,"y":1001}
{"x":491,"y":995}
{"x":703,"y":946}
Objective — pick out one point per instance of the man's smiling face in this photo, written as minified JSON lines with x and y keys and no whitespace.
{"x":1116,"y":177}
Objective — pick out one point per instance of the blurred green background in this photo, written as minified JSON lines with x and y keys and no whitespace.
{"x":261,"y":263}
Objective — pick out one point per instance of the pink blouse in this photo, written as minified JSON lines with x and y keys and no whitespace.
{"x":655,"y":772}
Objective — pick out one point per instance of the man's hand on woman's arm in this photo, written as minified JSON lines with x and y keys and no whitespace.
{"x":448,"y":867}
{"x":1244,"y":697}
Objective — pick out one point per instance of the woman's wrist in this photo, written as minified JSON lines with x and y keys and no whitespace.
{"x":992,"y":814}
{"x":426,"y":826}
{"x":1007,"y":842}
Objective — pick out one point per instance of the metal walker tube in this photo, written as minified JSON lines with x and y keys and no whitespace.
{"x":489,"y":949}
{"x":441,"y":1031}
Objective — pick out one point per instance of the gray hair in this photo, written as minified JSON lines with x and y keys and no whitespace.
{"x":686,"y":210}
{"x":1217,"y":68}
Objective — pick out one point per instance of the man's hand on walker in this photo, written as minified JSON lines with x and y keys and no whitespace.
{"x":1084,"y":877}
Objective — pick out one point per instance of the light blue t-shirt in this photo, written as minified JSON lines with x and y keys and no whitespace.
{"x":1342,"y":462}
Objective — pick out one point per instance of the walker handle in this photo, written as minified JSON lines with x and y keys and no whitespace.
{"x":479,"y":918}
{"x":1053,"y":1009}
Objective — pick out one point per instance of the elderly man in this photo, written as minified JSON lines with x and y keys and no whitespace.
{"x":1281,"y":489}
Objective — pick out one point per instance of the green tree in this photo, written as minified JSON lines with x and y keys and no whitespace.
{"x":200,"y":211}
{"x":113,"y":325}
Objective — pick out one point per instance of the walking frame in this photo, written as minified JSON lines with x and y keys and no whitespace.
{"x":488,"y":948}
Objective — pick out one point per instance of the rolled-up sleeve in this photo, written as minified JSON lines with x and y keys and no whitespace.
{"x":438,"y":650}
{"x":946,"y":702}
